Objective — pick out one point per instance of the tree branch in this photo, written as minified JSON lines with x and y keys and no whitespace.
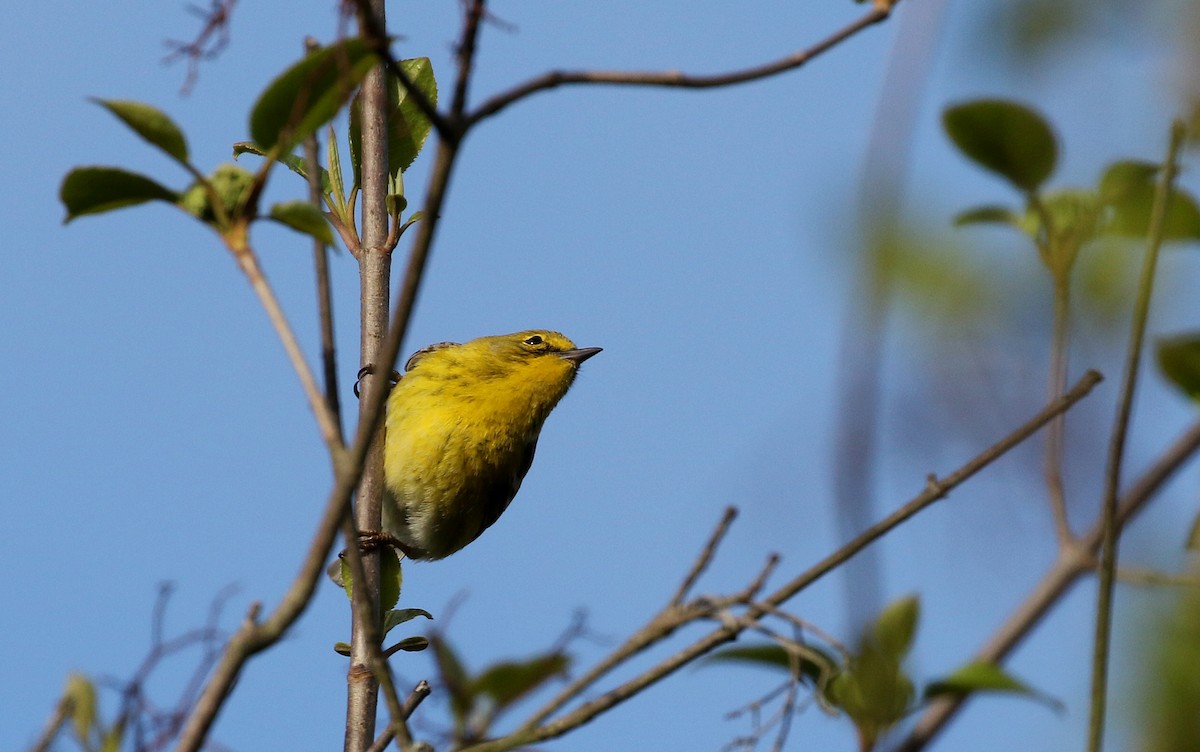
{"x":1116,"y":449}
{"x":677,"y":79}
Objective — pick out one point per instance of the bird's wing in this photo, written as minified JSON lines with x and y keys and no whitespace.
{"x":416,"y":357}
{"x":507,"y":487}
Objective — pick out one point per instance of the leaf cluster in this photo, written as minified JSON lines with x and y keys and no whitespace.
{"x":870,"y":685}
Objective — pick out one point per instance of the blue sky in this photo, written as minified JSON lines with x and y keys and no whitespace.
{"x":154,"y":431}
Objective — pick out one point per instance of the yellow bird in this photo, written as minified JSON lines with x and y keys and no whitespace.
{"x":462,"y":427}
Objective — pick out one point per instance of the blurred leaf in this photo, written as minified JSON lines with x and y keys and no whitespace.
{"x":873,"y":691}
{"x":1169,"y":689}
{"x":895,"y":628}
{"x":1120,"y":179}
{"x":413,"y":644}
{"x":151,"y":124}
{"x":983,"y":676}
{"x":342,"y":648}
{"x":772,"y":655}
{"x":991,"y":214}
{"x":309,"y":94}
{"x":407,"y":125}
{"x":1193,"y":538}
{"x":293,"y":162}
{"x":508,"y":681}
{"x":393,"y":619}
{"x":81,"y":696}
{"x":95,"y":190}
{"x":1009,"y":139}
{"x":231,"y":184}
{"x":114,"y":737}
{"x":303,"y":217}
{"x":1132,"y":214}
{"x":1179,"y":359}
{"x":455,"y":679}
{"x":1075,"y":221}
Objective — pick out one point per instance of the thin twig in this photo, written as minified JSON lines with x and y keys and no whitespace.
{"x":321,"y":272}
{"x":674,"y":79}
{"x":706,"y":555}
{"x":1116,"y":449}
{"x":415,"y":698}
{"x":330,"y":430}
{"x":536,"y":729}
{"x":1073,"y":562}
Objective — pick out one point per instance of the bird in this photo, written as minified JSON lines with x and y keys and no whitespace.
{"x":461,"y":430}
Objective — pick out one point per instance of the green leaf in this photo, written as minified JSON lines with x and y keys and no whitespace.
{"x":1131,"y":215}
{"x":1006,"y":138}
{"x":983,"y":676}
{"x":412,"y":219}
{"x":813,"y":664}
{"x":508,"y":681}
{"x":991,"y":214}
{"x":407,"y":125}
{"x":80,"y":695}
{"x":1122,"y":178}
{"x":293,"y":162}
{"x":342,"y":648}
{"x":303,"y":217}
{"x":395,"y":618}
{"x":151,"y":124}
{"x":309,"y":94}
{"x":337,"y":186}
{"x":413,"y":644}
{"x":95,"y":190}
{"x":1179,"y":359}
{"x":895,"y":628}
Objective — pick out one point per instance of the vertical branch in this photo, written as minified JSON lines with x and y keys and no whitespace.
{"x":1057,"y":385}
{"x":374,"y":276}
{"x":1111,"y":524}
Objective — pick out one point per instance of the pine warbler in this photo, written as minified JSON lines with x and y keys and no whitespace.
{"x":462,"y":426}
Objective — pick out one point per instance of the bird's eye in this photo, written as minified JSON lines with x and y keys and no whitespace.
{"x":534,"y":340}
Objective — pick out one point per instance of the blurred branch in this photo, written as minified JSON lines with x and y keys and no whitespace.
{"x":1054,"y":433}
{"x":678,"y":79}
{"x":1111,"y":524}
{"x":1072,"y":563}
{"x":675,"y":615}
{"x":211,"y":40}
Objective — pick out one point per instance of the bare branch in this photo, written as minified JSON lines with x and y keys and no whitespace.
{"x":706,"y":555}
{"x":676,"y":79}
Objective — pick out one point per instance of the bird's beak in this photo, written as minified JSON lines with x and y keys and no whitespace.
{"x":579,"y":354}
